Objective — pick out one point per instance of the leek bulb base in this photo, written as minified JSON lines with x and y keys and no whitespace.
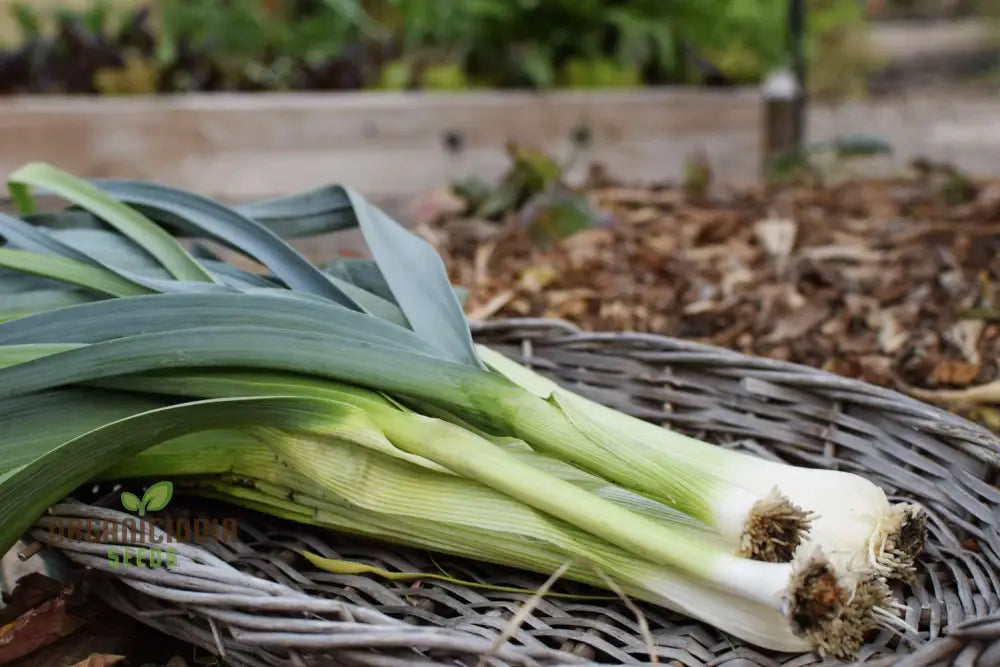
{"x":816,"y":595}
{"x":868,"y":608}
{"x":773,"y":529}
{"x":902,"y":538}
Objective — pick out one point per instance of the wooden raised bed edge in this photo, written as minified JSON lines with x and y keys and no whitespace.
{"x":389,"y":146}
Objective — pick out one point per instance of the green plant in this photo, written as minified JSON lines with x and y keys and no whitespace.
{"x":526,"y":42}
{"x":817,"y":161}
{"x":598,"y":73}
{"x":839,"y":55}
{"x":252,"y":45}
{"x":439,"y":44}
{"x":444,"y":77}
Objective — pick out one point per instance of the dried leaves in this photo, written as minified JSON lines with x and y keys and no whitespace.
{"x":39,"y":612}
{"x":888,"y":281}
{"x":101,"y":660}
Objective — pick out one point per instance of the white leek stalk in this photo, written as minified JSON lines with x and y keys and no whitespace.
{"x":850,"y":518}
{"x":353,"y":488}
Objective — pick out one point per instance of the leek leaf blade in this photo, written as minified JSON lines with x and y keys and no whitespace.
{"x":100,"y":250}
{"x":70,"y":271}
{"x":114,"y":318}
{"x":130,"y":222}
{"x":317,"y":211}
{"x":19,"y":304}
{"x":207,"y":218}
{"x":26,"y":492}
{"x":419,"y":281}
{"x":27,"y":427}
{"x":347,"y":359}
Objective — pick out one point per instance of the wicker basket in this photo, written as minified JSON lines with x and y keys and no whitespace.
{"x":250,"y":605}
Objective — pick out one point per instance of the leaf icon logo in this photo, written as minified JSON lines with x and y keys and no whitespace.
{"x":130,"y":501}
{"x":157,"y":497}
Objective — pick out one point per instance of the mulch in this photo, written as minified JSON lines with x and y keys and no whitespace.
{"x":890,"y":281}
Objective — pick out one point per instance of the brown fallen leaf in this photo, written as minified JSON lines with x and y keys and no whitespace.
{"x":954,"y":372}
{"x":30,"y":591}
{"x":586,"y":246}
{"x":481,"y":263}
{"x":491,"y":307}
{"x":852,"y":253}
{"x":971,"y":545}
{"x":891,"y":335}
{"x":966,"y":334}
{"x":37,"y":628}
{"x":776,"y":236}
{"x":990,"y":417}
{"x":797,"y":323}
{"x":100,"y":660}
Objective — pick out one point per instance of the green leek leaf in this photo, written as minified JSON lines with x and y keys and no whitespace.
{"x":34,"y":301}
{"x":27,"y":427}
{"x":314,"y":212}
{"x":70,"y":271}
{"x":161,"y":245}
{"x":355,"y":360}
{"x":207,"y":218}
{"x":115,"y":318}
{"x":419,"y":282}
{"x":26,"y":492}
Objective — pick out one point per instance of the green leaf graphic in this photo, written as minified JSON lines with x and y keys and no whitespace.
{"x":130,"y":501}
{"x":157,"y":496}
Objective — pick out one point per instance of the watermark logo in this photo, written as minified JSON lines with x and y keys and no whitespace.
{"x":145,"y":541}
{"x":156,"y":498}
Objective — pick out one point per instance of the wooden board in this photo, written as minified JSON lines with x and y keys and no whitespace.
{"x":386,"y":145}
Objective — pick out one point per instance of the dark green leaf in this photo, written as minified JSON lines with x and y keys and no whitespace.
{"x":354,"y":360}
{"x":27,"y":491}
{"x":116,"y":318}
{"x":419,"y":282}
{"x":158,"y":243}
{"x":212,"y":220}
{"x":71,"y":272}
{"x":121,"y":255}
{"x":35,"y":301}
{"x":234,"y":277}
{"x":27,"y":427}
{"x":67,"y":218}
{"x":372,"y":304}
{"x":15,"y":282}
{"x":111,"y":250}
{"x":361,"y":272}
{"x":100,"y":249}
{"x":318,"y":211}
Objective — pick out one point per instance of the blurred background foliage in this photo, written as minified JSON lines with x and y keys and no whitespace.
{"x":129,"y":47}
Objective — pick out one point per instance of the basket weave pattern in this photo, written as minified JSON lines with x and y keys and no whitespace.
{"x":916,"y":452}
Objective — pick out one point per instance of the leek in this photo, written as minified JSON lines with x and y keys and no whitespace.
{"x":376,"y":412}
{"x":360,"y":490}
{"x":850,"y":517}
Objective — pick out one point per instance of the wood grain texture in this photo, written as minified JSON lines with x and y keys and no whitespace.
{"x":237,"y":147}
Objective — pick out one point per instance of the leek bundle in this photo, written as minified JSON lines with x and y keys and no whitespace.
{"x":355,"y":398}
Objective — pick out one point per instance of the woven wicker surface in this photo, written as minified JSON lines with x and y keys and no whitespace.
{"x":775,"y":409}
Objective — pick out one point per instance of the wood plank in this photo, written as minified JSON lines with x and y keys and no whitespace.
{"x":240,"y":146}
